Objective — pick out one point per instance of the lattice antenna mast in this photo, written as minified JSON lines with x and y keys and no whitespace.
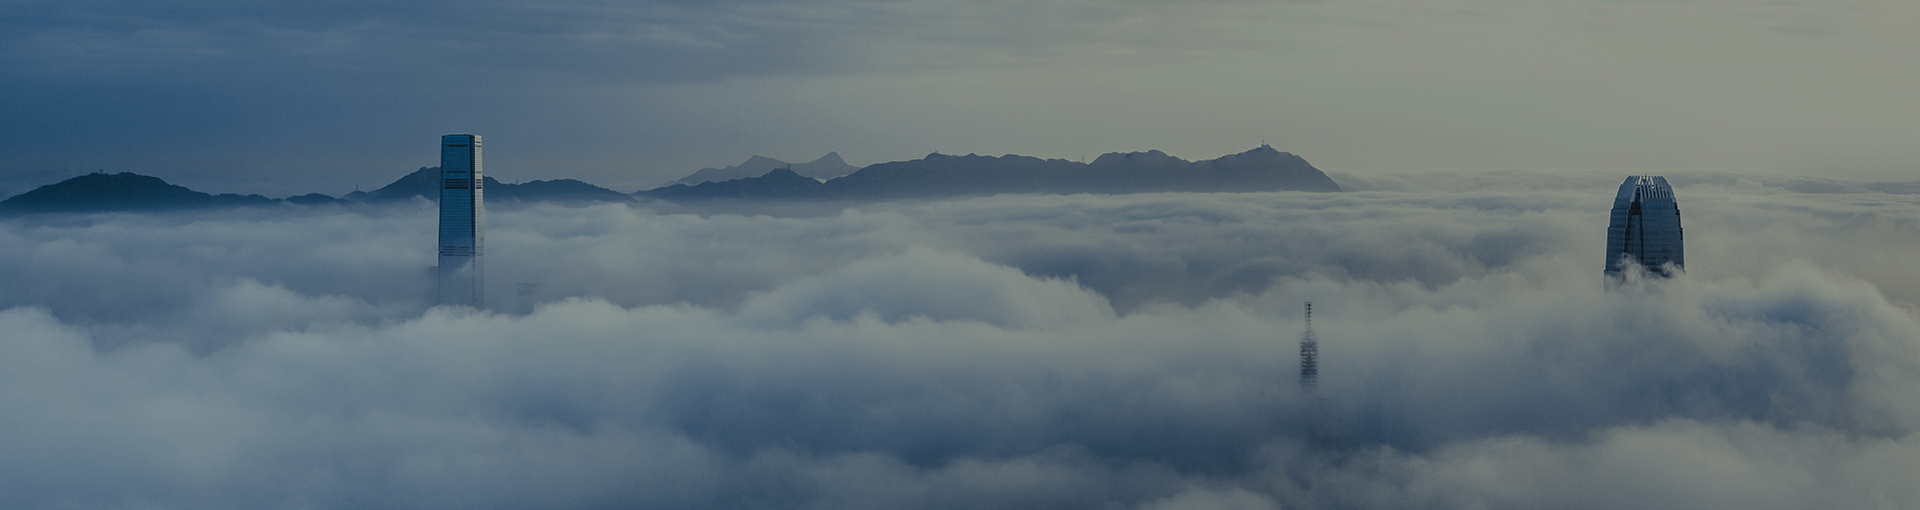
{"x":1309,"y":355}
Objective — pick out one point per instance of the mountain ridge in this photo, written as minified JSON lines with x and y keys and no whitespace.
{"x":124,"y":191}
{"x":421,"y":183}
{"x":826,"y":167}
{"x":939,"y":175}
{"x":934,"y":176}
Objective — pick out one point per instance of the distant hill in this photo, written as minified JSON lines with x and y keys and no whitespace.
{"x":557,"y":190}
{"x":780,"y":184}
{"x":125,"y":191}
{"x":754,"y":167}
{"x":827,"y":167}
{"x":939,"y":175}
{"x":423,"y":183}
{"x":420,"y":183}
{"x":316,"y":199}
{"x":14,"y":183}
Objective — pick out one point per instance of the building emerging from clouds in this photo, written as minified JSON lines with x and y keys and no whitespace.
{"x":1645,"y":227}
{"x":1309,"y":355}
{"x":463,"y":221}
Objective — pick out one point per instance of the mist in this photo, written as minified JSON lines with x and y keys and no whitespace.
{"x":1013,"y":351}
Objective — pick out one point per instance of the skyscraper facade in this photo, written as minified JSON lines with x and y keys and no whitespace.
{"x":1645,"y":229}
{"x":463,"y":221}
{"x":1309,"y":355}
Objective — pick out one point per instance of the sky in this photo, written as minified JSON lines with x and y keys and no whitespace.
{"x":1013,"y":351}
{"x":282,"y":99}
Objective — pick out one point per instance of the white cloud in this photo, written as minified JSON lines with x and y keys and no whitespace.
{"x":1011,"y":351}
{"x":921,"y":283}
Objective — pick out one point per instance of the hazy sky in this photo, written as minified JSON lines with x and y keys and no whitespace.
{"x":274,"y":98}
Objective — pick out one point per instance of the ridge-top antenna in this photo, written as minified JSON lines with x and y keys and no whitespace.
{"x":1309,"y":355}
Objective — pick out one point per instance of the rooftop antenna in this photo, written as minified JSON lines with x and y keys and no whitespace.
{"x":1309,"y":355}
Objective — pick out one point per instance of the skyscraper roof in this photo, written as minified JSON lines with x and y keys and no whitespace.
{"x":1645,"y":227}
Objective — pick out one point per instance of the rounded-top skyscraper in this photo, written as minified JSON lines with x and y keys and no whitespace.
{"x":1645,"y":229}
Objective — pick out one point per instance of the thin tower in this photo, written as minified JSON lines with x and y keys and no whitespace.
{"x":463,"y":221}
{"x":1309,"y":355}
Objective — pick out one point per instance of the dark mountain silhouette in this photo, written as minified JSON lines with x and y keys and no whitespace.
{"x":937,"y":175}
{"x":940,"y":175}
{"x":125,"y":191}
{"x":780,"y":184}
{"x":944,"y":175}
{"x":420,"y":183}
{"x":557,"y":190}
{"x":827,"y":167}
{"x":1260,"y":169}
{"x":14,"y":183}
{"x":423,"y":183}
{"x":754,"y":167}
{"x":316,"y":199}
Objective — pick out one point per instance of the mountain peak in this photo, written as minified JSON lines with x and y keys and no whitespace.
{"x":758,"y":161}
{"x":827,"y":167}
{"x":124,"y":191}
{"x":1263,"y":153}
{"x":753,"y":167}
{"x":778,"y":183}
{"x":1148,"y":158}
{"x":1265,"y":150}
{"x":832,"y":158}
{"x":421,"y":183}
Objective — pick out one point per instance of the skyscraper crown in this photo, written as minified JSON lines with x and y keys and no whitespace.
{"x":1645,"y":228}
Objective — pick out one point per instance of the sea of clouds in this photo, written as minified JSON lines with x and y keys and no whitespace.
{"x":1014,"y":351}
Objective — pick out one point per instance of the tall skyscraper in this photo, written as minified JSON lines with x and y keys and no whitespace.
{"x":463,"y":220}
{"x":1309,"y":355}
{"x":1645,"y":229}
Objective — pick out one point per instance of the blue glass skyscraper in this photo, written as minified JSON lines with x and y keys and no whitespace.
{"x":1645,"y":229}
{"x":463,"y":221}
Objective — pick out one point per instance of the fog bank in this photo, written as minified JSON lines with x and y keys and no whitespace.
{"x":1011,"y":351}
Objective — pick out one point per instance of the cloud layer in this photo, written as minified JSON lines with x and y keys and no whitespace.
{"x":1011,"y":351}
